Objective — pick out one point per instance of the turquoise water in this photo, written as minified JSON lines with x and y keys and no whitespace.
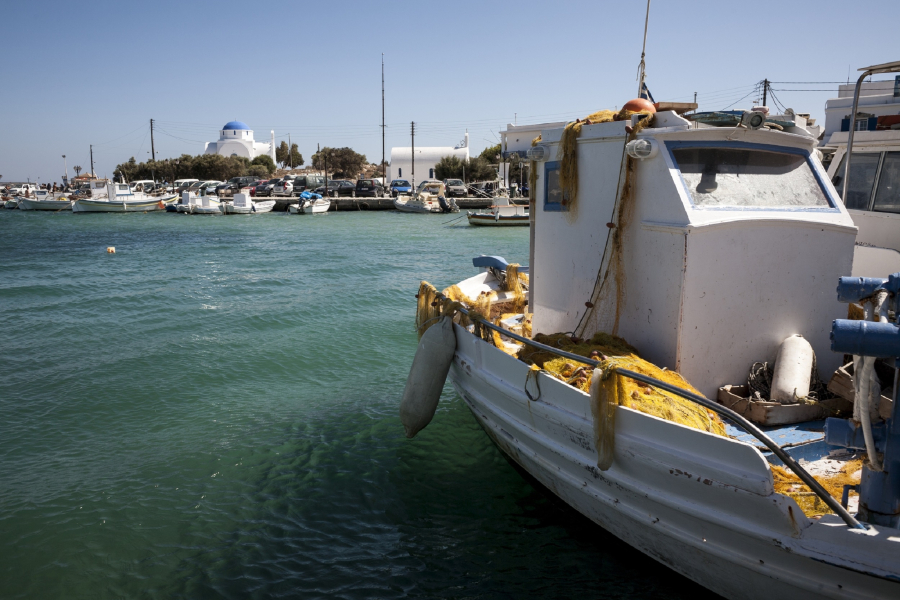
{"x":211,"y":412}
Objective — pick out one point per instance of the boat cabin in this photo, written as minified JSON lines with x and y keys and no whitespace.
{"x":731,"y":240}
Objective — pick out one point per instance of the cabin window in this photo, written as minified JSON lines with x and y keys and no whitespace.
{"x":745,"y":177}
{"x":862,"y":179}
{"x":554,"y":199}
{"x":887,"y":196}
{"x":399,"y":172}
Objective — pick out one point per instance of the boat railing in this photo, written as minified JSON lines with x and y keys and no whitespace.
{"x":739,"y":420}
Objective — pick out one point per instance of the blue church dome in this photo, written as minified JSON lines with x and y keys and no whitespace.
{"x":235,"y":125}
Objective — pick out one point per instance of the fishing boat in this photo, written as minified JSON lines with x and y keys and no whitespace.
{"x":428,"y":198}
{"x":502,"y":213}
{"x":243,"y":205}
{"x":193,"y":204}
{"x":872,"y":191}
{"x":310,"y":204}
{"x":44,"y":200}
{"x":593,"y":368}
{"x":119,"y":197}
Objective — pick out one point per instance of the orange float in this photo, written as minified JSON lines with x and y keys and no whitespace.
{"x":638,"y":105}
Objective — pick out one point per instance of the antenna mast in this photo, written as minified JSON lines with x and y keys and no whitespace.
{"x":383,"y":170}
{"x":643,"y":53}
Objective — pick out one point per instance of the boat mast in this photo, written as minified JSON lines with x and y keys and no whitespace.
{"x":152,"y":152}
{"x":383,"y":172}
{"x":412,"y":132}
{"x":643,"y":52}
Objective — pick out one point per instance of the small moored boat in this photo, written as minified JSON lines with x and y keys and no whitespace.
{"x":502,"y":214}
{"x":119,"y":197}
{"x":44,"y":200}
{"x":310,"y":203}
{"x":243,"y":205}
{"x":428,"y":198}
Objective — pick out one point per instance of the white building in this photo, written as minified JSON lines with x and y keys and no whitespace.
{"x":236,"y":139}
{"x":515,"y":141}
{"x":876,"y":99}
{"x":426,"y":159}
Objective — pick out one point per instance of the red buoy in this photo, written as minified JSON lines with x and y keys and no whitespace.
{"x":639,"y":104}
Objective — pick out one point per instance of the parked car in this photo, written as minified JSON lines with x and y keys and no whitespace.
{"x":301,"y":183}
{"x":267,"y":188}
{"x":234,"y":185}
{"x":208,"y":187}
{"x":183,"y":185}
{"x":258,"y":186}
{"x":455,"y":188}
{"x":338,"y":187}
{"x":284,"y":187}
{"x":22,"y":189}
{"x":142,"y":185}
{"x":369,"y":187}
{"x":400,"y":186}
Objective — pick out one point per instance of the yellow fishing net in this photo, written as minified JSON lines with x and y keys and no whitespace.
{"x":790,"y":485}
{"x":568,"y":152}
{"x":626,"y":392}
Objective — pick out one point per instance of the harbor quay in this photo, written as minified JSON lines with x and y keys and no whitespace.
{"x":345,"y":204}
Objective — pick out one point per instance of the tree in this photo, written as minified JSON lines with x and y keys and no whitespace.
{"x":288,"y":158}
{"x":449,"y":167}
{"x":77,"y":170}
{"x":265,"y":161}
{"x":282,"y":153}
{"x":258,"y":171}
{"x":342,"y":162}
{"x":490,"y":154}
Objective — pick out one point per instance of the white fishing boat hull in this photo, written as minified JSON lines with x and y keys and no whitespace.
{"x":254,"y":208}
{"x":55,"y":205}
{"x":264,"y":206}
{"x":310,"y":207}
{"x":699,"y":503}
{"x":489,"y":220}
{"x":215,"y":209}
{"x":151,"y":204}
{"x":406,"y":204}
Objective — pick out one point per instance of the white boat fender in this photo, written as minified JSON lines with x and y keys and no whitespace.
{"x":793,"y":369}
{"x":427,"y":376}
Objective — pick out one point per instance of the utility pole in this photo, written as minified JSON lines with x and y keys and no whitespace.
{"x":765,"y":89}
{"x":66,"y":165}
{"x":92,"y":161}
{"x":152,"y":152}
{"x":412,"y":132}
{"x":291,"y":152}
{"x":383,"y":168}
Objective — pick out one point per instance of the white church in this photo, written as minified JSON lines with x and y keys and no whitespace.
{"x":426,"y":159}
{"x":236,"y":139}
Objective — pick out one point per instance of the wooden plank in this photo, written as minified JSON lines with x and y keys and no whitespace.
{"x":678,"y":107}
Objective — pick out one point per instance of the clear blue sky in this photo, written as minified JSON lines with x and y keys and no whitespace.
{"x":76,"y":74}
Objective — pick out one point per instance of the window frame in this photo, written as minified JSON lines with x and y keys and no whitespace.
{"x":548,"y":205}
{"x":819,"y":174}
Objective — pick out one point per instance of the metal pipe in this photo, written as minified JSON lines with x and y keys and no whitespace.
{"x":753,"y":430}
{"x":746,"y":425}
{"x":850,"y":135}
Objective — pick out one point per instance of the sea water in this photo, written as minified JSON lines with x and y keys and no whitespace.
{"x":211,"y":412}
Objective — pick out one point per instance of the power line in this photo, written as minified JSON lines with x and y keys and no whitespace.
{"x":755,"y":90}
